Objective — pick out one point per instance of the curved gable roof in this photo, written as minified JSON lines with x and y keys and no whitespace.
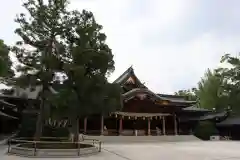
{"x":122,"y":79}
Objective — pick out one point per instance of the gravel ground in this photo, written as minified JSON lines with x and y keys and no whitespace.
{"x":217,"y":150}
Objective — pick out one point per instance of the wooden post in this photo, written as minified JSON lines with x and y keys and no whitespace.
{"x":102,"y":124}
{"x":175,"y":124}
{"x":120,"y":126}
{"x":149,"y":127}
{"x":163,"y":123}
{"x":85,"y":125}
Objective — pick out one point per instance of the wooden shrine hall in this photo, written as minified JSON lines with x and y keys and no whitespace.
{"x":145,"y":112}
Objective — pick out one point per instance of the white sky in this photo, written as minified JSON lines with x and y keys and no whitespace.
{"x":169,"y":43}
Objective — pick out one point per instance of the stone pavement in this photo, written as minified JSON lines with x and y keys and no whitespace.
{"x":215,"y":150}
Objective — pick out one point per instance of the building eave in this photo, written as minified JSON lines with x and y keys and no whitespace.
{"x":7,"y":116}
{"x":132,"y":93}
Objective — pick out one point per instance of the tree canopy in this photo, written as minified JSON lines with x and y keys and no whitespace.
{"x":210,"y":91}
{"x":56,"y":42}
{"x":37,"y":51}
{"x":231,"y":77}
{"x":219,"y":89}
{"x":5,"y":63}
{"x":85,"y":89}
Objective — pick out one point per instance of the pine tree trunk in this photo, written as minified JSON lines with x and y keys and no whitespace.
{"x":38,"y":132}
{"x":75,"y":129}
{"x":39,"y":124}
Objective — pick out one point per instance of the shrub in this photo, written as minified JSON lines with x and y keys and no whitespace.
{"x":205,"y":129}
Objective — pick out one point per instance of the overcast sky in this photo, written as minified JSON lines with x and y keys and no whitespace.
{"x":169,"y":43}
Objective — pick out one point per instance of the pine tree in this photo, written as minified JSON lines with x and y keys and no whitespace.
{"x":231,"y":77}
{"x":37,"y":51}
{"x":86,"y":90}
{"x":6,"y":73}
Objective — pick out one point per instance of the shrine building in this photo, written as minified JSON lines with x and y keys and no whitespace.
{"x":147,"y":113}
{"x":143,"y":112}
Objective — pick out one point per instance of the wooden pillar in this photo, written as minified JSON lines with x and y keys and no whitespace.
{"x":164,"y":127}
{"x":102,"y":124}
{"x":85,"y":125}
{"x":149,"y":126}
{"x":175,"y":124}
{"x":120,"y":126}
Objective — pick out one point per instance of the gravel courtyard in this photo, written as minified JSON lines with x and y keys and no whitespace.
{"x":156,"y":151}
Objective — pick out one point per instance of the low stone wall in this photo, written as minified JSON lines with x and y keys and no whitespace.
{"x":31,"y":152}
{"x":28,"y":148}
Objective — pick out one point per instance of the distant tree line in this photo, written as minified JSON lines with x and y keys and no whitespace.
{"x":219,"y":88}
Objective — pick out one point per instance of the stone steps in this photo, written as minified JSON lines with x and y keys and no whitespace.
{"x":144,"y":139}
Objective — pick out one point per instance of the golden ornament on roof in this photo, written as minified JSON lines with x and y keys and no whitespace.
{"x":164,"y":102}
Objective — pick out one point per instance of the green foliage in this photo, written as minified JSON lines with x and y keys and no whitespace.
{"x":220,"y":88}
{"x":5,"y":63}
{"x":210,"y":92}
{"x":205,"y":129}
{"x":55,"y":40}
{"x":86,"y":90}
{"x":231,"y":75}
{"x":39,"y":33}
{"x":38,"y":51}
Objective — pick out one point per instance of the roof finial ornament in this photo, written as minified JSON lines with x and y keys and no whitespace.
{"x":130,"y":68}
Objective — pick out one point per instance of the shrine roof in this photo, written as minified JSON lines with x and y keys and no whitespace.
{"x":28,"y":93}
{"x":196,"y":109}
{"x":7,"y":116}
{"x":230,"y":121}
{"x":214,"y":115}
{"x":133,"y":114}
{"x":126,"y":75}
{"x":136,"y":91}
{"x":7,"y":103}
{"x":173,"y":97}
{"x":208,"y":116}
{"x":141,"y":88}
